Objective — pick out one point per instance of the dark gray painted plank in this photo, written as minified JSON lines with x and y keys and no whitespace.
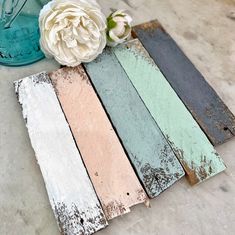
{"x":208,"y":109}
{"x":148,"y":150}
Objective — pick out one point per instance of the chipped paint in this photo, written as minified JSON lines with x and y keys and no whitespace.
{"x":114,"y":208}
{"x":72,"y":222}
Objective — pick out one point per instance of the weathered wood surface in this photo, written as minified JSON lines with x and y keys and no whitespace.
{"x":208,"y":109}
{"x":111,"y":173}
{"x":71,"y":194}
{"x":148,"y":150}
{"x":190,"y":144}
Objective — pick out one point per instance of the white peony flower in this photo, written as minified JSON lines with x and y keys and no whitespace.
{"x":72,"y":31}
{"x":119,"y":28}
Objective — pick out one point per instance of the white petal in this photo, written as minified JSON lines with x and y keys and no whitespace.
{"x":119,"y":29}
{"x":114,"y":37}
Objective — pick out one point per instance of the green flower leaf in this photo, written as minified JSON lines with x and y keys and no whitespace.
{"x":111,"y":23}
{"x":120,"y":15}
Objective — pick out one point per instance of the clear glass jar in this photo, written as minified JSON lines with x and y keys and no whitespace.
{"x":19,"y":32}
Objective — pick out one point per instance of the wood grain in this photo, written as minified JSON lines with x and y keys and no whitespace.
{"x":190,"y":144}
{"x":205,"y":105}
{"x":148,"y":150}
{"x":70,"y":191}
{"x":103,"y":155}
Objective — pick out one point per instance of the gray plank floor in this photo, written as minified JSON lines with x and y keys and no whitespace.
{"x":205,"y":31}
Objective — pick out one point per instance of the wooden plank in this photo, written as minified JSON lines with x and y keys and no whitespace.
{"x":99,"y":146}
{"x":70,"y":191}
{"x":148,"y":150}
{"x":190,"y":144}
{"x":208,"y":109}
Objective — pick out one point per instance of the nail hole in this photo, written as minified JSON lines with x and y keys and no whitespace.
{"x":225,"y":128}
{"x":82,"y":221}
{"x":128,"y":194}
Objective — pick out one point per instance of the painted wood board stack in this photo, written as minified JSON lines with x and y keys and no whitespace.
{"x":112,"y":133}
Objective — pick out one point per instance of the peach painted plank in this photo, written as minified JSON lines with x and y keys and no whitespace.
{"x":114,"y":179}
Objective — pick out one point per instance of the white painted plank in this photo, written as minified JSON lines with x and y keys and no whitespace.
{"x":70,"y":191}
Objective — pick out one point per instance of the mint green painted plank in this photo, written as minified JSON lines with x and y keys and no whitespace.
{"x":192,"y":147}
{"x":148,"y":150}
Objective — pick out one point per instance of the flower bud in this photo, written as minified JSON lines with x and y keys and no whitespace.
{"x":118,"y":28}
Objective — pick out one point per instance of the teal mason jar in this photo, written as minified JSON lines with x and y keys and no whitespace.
{"x":19,"y":32}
